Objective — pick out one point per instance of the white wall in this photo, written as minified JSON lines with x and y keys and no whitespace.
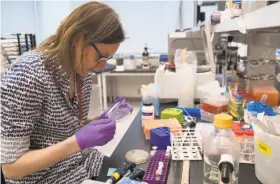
{"x":150,"y":22}
{"x":50,"y":14}
{"x":144,"y":21}
{"x":17,"y":16}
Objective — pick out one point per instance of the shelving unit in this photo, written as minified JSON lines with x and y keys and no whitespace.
{"x":264,"y":18}
{"x":12,"y":46}
{"x":262,"y":37}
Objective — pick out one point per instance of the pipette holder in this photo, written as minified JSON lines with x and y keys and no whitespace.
{"x":150,"y":175}
{"x":160,"y":137}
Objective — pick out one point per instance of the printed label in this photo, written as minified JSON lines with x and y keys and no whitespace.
{"x":147,"y":113}
{"x":214,"y":173}
{"x":263,"y":148}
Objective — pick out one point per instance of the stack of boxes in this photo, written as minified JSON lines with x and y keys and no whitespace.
{"x":212,"y":106}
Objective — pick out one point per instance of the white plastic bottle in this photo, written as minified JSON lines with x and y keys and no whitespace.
{"x":221,"y":153}
{"x":148,"y":111}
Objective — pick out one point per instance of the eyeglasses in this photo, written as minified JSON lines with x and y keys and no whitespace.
{"x":101,"y":57}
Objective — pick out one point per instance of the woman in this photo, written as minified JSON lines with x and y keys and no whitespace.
{"x":45,"y":134}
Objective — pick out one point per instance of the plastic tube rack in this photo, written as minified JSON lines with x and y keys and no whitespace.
{"x":185,"y":145}
{"x":151,"y":172}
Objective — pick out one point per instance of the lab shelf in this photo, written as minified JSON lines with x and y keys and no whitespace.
{"x":263,"y":18}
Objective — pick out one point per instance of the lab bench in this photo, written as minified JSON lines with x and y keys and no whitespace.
{"x":135,"y":139}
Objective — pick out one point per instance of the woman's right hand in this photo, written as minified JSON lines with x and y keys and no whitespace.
{"x":96,"y":133}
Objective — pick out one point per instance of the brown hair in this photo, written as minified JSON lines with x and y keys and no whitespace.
{"x":99,"y":23}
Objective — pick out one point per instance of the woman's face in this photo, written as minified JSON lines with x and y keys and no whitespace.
{"x":94,"y":56}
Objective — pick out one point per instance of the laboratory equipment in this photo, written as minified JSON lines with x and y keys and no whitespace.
{"x":191,"y":40}
{"x":207,"y":116}
{"x":257,"y":107}
{"x":137,"y":156}
{"x":130,"y":181}
{"x":157,"y":171}
{"x":118,"y":111}
{"x":150,"y":94}
{"x":138,"y":174}
{"x":119,"y":65}
{"x":145,"y":57}
{"x":245,"y":137}
{"x":272,"y":94}
{"x":267,"y":156}
{"x":277,"y":70}
{"x":119,"y":173}
{"x":163,"y":58}
{"x":160,"y":137}
{"x":173,"y":124}
{"x":215,"y":105}
{"x":194,"y":112}
{"x":167,"y":80}
{"x":226,"y":57}
{"x":173,"y":113}
{"x":130,"y":63}
{"x":186,"y":67}
{"x":134,"y":177}
{"x":215,"y":17}
{"x":220,"y":143}
{"x":226,"y":168}
{"x":190,"y":121}
{"x":185,"y":145}
{"x":148,"y":111}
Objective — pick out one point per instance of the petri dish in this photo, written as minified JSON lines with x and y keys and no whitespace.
{"x":119,"y":114}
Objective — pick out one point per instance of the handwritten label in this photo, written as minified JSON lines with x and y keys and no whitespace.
{"x":263,"y":148}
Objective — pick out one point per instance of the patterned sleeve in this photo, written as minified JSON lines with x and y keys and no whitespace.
{"x":21,"y":99}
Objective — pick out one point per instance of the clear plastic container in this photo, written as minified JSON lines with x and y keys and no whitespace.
{"x":239,"y":136}
{"x":248,"y":148}
{"x":221,"y":153}
{"x":267,"y":156}
{"x":215,"y":104}
{"x":119,"y":110}
{"x":206,"y":116}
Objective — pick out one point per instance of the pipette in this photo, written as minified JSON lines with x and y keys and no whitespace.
{"x":119,"y":173}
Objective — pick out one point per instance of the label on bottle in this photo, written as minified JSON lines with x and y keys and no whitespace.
{"x":147,"y":114}
{"x":214,"y":173}
{"x":264,"y":148}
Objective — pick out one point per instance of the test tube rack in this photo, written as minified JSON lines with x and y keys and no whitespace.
{"x":185,"y":145}
{"x":150,"y":175}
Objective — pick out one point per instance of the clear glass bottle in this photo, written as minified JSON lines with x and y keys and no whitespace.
{"x":221,"y":153}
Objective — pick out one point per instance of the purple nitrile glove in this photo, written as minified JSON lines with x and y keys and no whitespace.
{"x":96,"y":133}
{"x":116,"y":104}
